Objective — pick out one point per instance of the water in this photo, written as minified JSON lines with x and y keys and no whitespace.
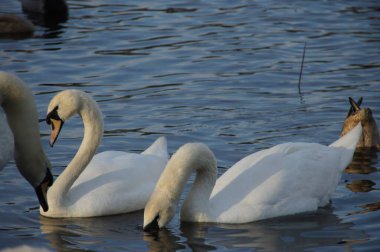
{"x":221,"y":72}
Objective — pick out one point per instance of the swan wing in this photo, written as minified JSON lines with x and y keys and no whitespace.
{"x":114,"y":182}
{"x":158,"y":148}
{"x":286,"y":179}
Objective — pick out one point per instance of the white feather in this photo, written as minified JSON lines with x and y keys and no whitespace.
{"x":111,"y":182}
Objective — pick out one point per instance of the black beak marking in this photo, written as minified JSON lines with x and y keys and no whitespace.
{"x":41,"y":190}
{"x":153,"y":226}
{"x":54,"y":120}
{"x":52,"y":115}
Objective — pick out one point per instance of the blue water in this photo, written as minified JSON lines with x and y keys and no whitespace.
{"x":221,"y":72}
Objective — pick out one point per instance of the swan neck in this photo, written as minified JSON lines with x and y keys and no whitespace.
{"x":190,"y":158}
{"x":196,"y":204}
{"x":19,"y":106}
{"x":92,"y":135}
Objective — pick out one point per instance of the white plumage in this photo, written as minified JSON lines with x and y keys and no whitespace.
{"x":110,"y":182}
{"x":286,"y":179}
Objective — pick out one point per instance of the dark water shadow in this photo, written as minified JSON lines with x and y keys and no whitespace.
{"x":164,"y":240}
{"x":291,"y":233}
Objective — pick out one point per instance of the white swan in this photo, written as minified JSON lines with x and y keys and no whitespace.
{"x":19,"y":134}
{"x":114,"y":181}
{"x":286,"y":179}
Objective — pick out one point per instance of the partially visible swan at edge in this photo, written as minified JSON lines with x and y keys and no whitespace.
{"x":286,"y":179}
{"x":110,"y":182}
{"x":12,"y":24}
{"x":20,"y":135}
{"x":15,"y":24}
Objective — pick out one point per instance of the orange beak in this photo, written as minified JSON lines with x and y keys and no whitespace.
{"x":56,"y":126}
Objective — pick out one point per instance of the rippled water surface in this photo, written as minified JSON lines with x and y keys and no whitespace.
{"x":221,"y":72}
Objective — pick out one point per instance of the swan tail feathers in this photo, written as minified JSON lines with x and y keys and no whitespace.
{"x":348,"y":143}
{"x":158,"y":148}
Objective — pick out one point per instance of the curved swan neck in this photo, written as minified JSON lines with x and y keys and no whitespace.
{"x":19,"y":106}
{"x":189,"y":158}
{"x":93,"y":132}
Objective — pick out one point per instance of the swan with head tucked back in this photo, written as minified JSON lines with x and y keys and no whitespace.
{"x":111,"y":182}
{"x":286,"y":179}
{"x":370,"y":135}
{"x":20,"y":135}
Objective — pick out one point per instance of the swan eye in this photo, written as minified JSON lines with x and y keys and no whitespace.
{"x":52,"y":115}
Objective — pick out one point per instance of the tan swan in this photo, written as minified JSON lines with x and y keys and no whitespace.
{"x":370,"y":137}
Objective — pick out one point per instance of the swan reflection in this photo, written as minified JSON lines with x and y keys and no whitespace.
{"x":99,"y":233}
{"x":293,"y":233}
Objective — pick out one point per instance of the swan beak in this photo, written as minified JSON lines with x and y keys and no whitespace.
{"x":153,"y":226}
{"x":41,"y":190}
{"x":56,"y":126}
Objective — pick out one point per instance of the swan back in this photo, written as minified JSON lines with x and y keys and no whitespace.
{"x":370,"y":135}
{"x":286,"y":179}
{"x":190,"y":157}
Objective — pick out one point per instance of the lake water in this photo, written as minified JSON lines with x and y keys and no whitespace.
{"x":221,"y":72}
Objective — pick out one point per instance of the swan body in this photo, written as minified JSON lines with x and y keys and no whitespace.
{"x":11,"y":24}
{"x":111,"y":182}
{"x":20,"y":136}
{"x":370,"y":136}
{"x":286,"y":179}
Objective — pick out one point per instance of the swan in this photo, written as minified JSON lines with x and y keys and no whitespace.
{"x":14,"y":24}
{"x":51,"y":7}
{"x":286,"y":179}
{"x":111,"y":182}
{"x":20,"y":136}
{"x":370,"y":137}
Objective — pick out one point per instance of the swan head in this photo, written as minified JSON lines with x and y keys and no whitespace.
{"x":64,"y":105}
{"x":158,"y":211}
